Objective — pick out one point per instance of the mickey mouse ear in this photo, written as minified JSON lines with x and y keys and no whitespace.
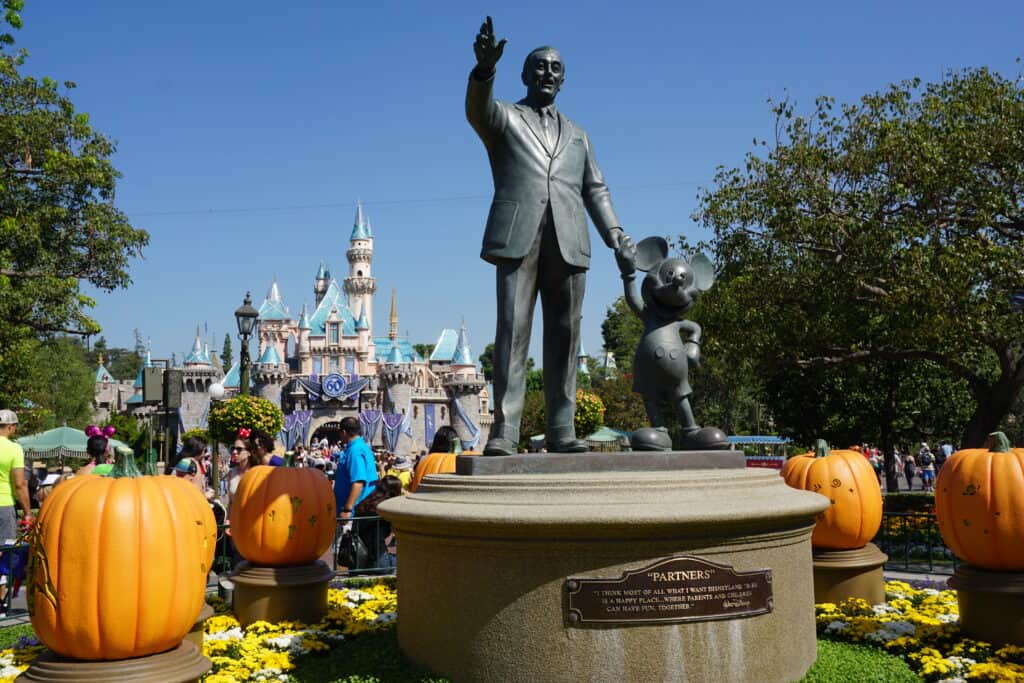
{"x":650,"y":252}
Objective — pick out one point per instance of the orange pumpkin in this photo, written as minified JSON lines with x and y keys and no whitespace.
{"x":978,"y":505}
{"x":436,"y":463}
{"x":282,"y":516}
{"x":118,"y":564}
{"x":847,"y":479}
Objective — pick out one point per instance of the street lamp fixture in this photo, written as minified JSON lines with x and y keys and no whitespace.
{"x":245,"y":316}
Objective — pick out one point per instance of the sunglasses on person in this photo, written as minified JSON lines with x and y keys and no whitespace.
{"x":236,"y":449}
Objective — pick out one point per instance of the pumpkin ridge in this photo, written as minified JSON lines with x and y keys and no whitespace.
{"x":139,"y":564}
{"x":175,"y":551}
{"x":855,"y":483}
{"x":989,"y":501}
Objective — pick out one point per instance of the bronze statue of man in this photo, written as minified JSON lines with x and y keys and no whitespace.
{"x":545,"y":175}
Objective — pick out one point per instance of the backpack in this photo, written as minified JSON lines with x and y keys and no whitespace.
{"x":926,"y":458}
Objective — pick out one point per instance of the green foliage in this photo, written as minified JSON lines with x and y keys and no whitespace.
{"x":250,"y":412}
{"x":624,"y":410}
{"x":589,"y":413}
{"x":226,"y":353}
{"x":487,"y":362}
{"x":842,"y":662}
{"x":583,"y":380}
{"x":621,"y":331}
{"x":881,"y":233}
{"x":57,"y":378}
{"x":131,"y":431}
{"x":424,"y":349}
{"x":123,"y":364}
{"x":58,"y":224}
{"x":201,"y":434}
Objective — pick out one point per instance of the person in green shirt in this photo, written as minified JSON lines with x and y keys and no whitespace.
{"x":13,"y":484}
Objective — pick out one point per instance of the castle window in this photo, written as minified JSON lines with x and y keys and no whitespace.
{"x":415,"y":412}
{"x":334,"y":364}
{"x":334,"y":333}
{"x":442,"y":412}
{"x":359,"y":273}
{"x":318,"y":365}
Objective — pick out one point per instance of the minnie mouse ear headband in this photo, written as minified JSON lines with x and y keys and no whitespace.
{"x":107,"y":432}
{"x":244,"y":432}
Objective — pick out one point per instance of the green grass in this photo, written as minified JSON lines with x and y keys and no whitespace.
{"x":375,"y":658}
{"x":847,"y":663}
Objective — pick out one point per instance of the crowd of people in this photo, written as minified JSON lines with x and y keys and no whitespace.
{"x":923,"y":466}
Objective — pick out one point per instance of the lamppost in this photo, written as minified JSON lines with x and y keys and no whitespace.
{"x":216,"y":392}
{"x":245,"y":316}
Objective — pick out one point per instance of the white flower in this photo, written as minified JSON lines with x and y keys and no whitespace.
{"x":836,"y":627}
{"x":947,"y":618}
{"x":884,"y":608}
{"x":230,"y":634}
{"x":269,"y":674}
{"x":385,"y":617}
{"x":358,"y":596}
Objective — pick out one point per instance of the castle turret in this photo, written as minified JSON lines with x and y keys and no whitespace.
{"x":321,"y":283}
{"x":397,"y":374}
{"x":199,"y":373}
{"x":363,"y":330}
{"x":274,"y":321}
{"x":463,"y":385}
{"x":270,"y":374}
{"x":302,"y":350}
{"x":360,"y":284}
{"x":581,"y":359}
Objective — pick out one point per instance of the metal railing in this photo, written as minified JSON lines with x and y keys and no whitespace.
{"x":371,"y":533}
{"x":913,"y":543}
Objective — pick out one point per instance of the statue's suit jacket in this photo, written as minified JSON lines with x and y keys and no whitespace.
{"x":528,"y":176}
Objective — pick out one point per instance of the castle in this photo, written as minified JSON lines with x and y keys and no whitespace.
{"x":325,"y":364}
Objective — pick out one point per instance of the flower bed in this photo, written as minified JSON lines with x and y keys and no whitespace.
{"x":921,"y":626}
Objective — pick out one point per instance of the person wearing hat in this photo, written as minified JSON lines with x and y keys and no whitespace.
{"x":13,"y":484}
{"x":401,"y":468}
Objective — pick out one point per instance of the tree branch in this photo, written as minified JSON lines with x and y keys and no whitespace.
{"x":976,"y":382}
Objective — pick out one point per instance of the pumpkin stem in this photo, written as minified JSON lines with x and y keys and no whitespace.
{"x":998,"y":443}
{"x":124,"y":464}
{"x":821,"y":448}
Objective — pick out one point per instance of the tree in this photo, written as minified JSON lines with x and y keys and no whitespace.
{"x":226,"y":352}
{"x":58,"y":223}
{"x":61,"y":380}
{"x":885,"y":234}
{"x":621,"y":331}
{"x":487,"y":362}
{"x":424,"y":349}
{"x":623,"y":409}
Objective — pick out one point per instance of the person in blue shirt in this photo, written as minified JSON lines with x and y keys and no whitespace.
{"x":356,"y":476}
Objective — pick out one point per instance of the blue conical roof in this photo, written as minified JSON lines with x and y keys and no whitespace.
{"x":361,"y":227}
{"x":395,"y":355}
{"x":147,"y":362}
{"x":462,"y":355}
{"x":196,"y":356}
{"x":304,"y":318}
{"x":103,"y":375}
{"x":273,"y":307}
{"x":362,"y":323}
{"x":270,"y":355}
{"x":322,"y":273}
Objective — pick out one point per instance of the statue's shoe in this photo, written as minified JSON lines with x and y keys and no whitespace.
{"x":570,"y":446}
{"x":500,"y":446}
{"x":651,"y":439}
{"x":705,"y":439}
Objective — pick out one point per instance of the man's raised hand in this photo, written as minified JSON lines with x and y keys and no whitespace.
{"x":488,"y":50}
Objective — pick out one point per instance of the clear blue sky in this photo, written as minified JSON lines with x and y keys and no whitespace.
{"x":246,"y":131}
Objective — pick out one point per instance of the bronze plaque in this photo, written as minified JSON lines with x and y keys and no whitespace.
{"x":673,"y":590}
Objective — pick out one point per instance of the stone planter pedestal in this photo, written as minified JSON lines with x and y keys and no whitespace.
{"x":856,"y":573}
{"x":485,"y":561}
{"x":195,"y":635}
{"x":281,"y":593}
{"x":183,"y":664}
{"x":991,"y":604}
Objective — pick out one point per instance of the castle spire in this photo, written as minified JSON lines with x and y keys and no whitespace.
{"x":462,"y":356}
{"x":361,"y":226}
{"x":393,"y":331}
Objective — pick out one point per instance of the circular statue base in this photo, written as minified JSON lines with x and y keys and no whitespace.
{"x":607,"y":575}
{"x":842,"y":574}
{"x":281,"y":593}
{"x":195,"y":635}
{"x":991,"y":604}
{"x":182,"y":664}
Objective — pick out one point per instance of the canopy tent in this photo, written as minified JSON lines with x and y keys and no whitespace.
{"x":62,"y":442}
{"x":604,"y":439}
{"x":763,"y":450}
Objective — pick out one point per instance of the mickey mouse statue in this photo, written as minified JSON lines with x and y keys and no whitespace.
{"x":662,"y":362}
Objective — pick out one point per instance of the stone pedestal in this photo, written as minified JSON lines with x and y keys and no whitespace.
{"x":183,"y":664}
{"x":195,"y":635}
{"x":485,"y":562}
{"x":281,"y":593}
{"x":842,"y":574}
{"x":991,"y":604}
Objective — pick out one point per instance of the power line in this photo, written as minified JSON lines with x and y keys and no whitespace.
{"x":384,"y":202}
